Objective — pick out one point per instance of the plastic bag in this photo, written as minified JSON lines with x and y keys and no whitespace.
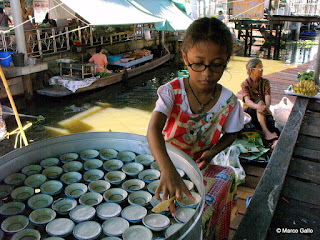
{"x":3,"y":129}
{"x":281,"y":112}
{"x":230,"y":158}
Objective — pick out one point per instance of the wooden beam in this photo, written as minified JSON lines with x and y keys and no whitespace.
{"x":258,"y":216}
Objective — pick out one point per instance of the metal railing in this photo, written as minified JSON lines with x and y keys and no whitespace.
{"x":46,"y":41}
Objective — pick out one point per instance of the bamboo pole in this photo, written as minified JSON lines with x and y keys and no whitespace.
{"x":13,"y":105}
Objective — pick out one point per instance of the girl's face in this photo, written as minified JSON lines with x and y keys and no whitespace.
{"x":256,"y":73}
{"x":205,"y":53}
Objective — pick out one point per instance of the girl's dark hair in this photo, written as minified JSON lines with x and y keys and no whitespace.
{"x":208,"y":29}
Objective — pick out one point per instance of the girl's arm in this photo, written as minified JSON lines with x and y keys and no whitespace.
{"x":171,"y":184}
{"x":225,"y":141}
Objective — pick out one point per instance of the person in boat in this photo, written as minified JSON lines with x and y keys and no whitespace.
{"x":220,"y":15}
{"x":191,"y":113}
{"x":257,"y":100}
{"x":100,"y":60}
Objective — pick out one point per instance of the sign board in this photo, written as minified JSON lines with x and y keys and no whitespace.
{"x":248,"y":9}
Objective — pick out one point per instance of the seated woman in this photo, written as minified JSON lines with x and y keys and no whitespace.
{"x":257,"y":100}
{"x":100,"y":60}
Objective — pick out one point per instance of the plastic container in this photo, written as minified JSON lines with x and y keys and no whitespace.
{"x":18,"y":59}
{"x":6,"y":58}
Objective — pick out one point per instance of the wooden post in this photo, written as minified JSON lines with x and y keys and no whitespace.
{"x":317,"y":66}
{"x":27,"y":85}
{"x":13,"y":105}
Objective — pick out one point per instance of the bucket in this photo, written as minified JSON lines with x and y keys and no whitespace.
{"x":5,"y":58}
{"x":18,"y":59}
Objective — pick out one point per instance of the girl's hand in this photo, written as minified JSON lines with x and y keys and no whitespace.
{"x":171,"y":184}
{"x":205,"y":159}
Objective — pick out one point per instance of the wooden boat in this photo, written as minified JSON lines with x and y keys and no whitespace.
{"x":60,"y":91}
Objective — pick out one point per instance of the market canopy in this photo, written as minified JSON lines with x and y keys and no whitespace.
{"x":175,"y":19}
{"x":111,"y":12}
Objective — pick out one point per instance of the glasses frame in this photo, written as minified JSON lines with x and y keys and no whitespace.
{"x":207,"y":66}
{"x":260,"y":69}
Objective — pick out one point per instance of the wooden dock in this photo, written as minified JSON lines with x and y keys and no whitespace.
{"x":279,"y":82}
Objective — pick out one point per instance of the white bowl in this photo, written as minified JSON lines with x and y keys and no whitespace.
{"x":64,"y":205}
{"x":108,"y":210}
{"x":42,"y":216}
{"x":31,"y":169}
{"x":156,"y":222}
{"x":76,"y":190}
{"x":82,"y":213}
{"x":134,"y":213}
{"x":91,"y":198}
{"x":152,"y":187}
{"x":149,"y":175}
{"x":126,"y":156}
{"x":14,"y":224}
{"x":52,"y":187}
{"x":93,"y":175}
{"x":74,"y":166}
{"x":112,"y":165}
{"x":132,"y":169}
{"x":40,"y":201}
{"x":49,"y":162}
{"x":60,"y":227}
{"x":110,"y":238}
{"x":52,"y":172}
{"x":141,"y":198}
{"x":22,"y":193}
{"x":183,"y":215}
{"x":5,"y":191}
{"x":137,"y":232}
{"x":155,"y":166}
{"x":87,"y":230}
{"x":27,"y":234}
{"x":186,"y":202}
{"x":89,"y":154}
{"x":115,"y":226}
{"x":15,"y":179}
{"x":108,"y":153}
{"x":69,"y":157}
{"x":35,"y":180}
{"x":145,"y":159}
{"x":116,"y":195}
{"x":92,"y":164}
{"x":99,"y":186}
{"x":71,"y":177}
{"x":12,"y":208}
{"x":115,"y":177}
{"x":172,"y":229}
{"x":53,"y":238}
{"x":189,"y":184}
{"x":133,"y":185}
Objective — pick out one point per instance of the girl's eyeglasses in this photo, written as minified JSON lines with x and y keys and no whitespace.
{"x":200,"y":67}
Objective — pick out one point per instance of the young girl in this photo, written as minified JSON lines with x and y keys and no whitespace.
{"x":257,"y":100}
{"x":191,"y":113}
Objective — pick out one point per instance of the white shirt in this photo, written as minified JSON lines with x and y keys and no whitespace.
{"x":165,"y":102}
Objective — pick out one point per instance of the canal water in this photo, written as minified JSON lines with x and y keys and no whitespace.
{"x":122,"y":107}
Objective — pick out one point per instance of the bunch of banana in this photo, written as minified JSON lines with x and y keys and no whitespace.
{"x":306,"y":87}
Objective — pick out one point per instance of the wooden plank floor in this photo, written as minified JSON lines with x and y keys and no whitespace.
{"x":279,"y":81}
{"x":299,"y":203}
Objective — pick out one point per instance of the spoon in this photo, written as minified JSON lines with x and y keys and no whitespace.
{"x":163,"y":205}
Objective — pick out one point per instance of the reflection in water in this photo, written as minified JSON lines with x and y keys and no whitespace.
{"x":293,"y":53}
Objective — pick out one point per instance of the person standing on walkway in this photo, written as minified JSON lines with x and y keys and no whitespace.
{"x":191,"y":114}
{"x":28,"y":26}
{"x":256,"y":95}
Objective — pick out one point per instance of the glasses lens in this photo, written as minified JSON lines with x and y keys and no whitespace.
{"x":217,"y":67}
{"x":197,"y":67}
